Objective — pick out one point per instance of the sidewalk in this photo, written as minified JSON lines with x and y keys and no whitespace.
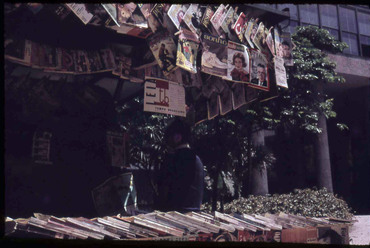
{"x":360,"y":231}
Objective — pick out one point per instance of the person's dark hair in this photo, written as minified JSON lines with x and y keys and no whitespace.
{"x":240,"y":56}
{"x":261,"y":65}
{"x":286,"y":43}
{"x":178,"y":126}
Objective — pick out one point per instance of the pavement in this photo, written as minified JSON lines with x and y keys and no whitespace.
{"x":359,"y":232}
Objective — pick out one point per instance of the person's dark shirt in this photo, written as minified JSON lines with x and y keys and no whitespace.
{"x":255,"y":81}
{"x":181,"y":182}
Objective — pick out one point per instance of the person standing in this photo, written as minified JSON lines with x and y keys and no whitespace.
{"x":181,"y":179}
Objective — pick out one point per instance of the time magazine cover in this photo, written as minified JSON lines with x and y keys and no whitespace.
{"x":187,"y":51}
{"x":218,"y":17}
{"x":177,"y":13}
{"x":164,"y":50}
{"x":214,"y":55}
{"x":238,"y":69}
{"x":259,"y":73}
{"x":193,"y":17}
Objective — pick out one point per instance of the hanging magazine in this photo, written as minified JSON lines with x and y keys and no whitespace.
{"x":226,"y":101}
{"x":81,"y":11}
{"x":238,"y":94}
{"x":238,"y":69}
{"x":259,"y":72}
{"x":229,"y":20}
{"x":95,"y":63}
{"x":214,"y":55}
{"x":122,"y":60}
{"x":239,"y":26}
{"x":107,"y":58}
{"x":156,"y":18}
{"x":163,"y":96}
{"x":111,"y":9}
{"x":177,"y":13}
{"x":280,"y":73}
{"x":218,"y":17}
{"x":251,"y":31}
{"x":81,"y":61}
{"x":270,"y":42}
{"x":164,"y":50}
{"x":66,"y":59}
{"x":213,"y":106}
{"x":278,"y":45}
{"x":192,"y":18}
{"x":187,"y":51}
{"x":286,"y":45}
{"x":260,"y":38}
{"x":117,"y":143}
{"x":124,"y":12}
{"x":145,"y":9}
{"x":206,"y":24}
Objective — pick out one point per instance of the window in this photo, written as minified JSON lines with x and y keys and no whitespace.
{"x":351,"y":40}
{"x":365,"y":46}
{"x":292,"y":10}
{"x":347,"y":20}
{"x":309,"y":14}
{"x":329,"y":17}
{"x":364,"y":23}
{"x":333,"y":32}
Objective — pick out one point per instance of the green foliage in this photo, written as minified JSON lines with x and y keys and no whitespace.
{"x":306,"y":202}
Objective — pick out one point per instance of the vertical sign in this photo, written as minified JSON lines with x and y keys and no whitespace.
{"x":161,"y":96}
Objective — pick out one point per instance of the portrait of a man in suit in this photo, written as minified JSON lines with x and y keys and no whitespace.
{"x":261,"y":79}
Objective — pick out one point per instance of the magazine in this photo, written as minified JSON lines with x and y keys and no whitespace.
{"x":122,"y":57}
{"x":238,"y":94}
{"x":163,"y":96}
{"x":286,"y":45}
{"x":111,"y":9}
{"x":213,"y":106}
{"x":95,"y":62}
{"x":138,"y":32}
{"x":49,"y":59}
{"x":124,"y":12}
{"x":137,"y":18}
{"x":177,"y":13}
{"x":192,"y":18}
{"x":192,"y":79}
{"x":280,"y":72}
{"x":259,"y":73}
{"x":226,"y":101}
{"x":187,"y":51}
{"x":117,"y":143}
{"x":260,"y":38}
{"x":238,"y":26}
{"x":278,"y":45}
{"x":206,"y":24}
{"x":81,"y":61}
{"x":61,"y":10}
{"x":251,"y":31}
{"x":100,"y":15}
{"x":238,"y":69}
{"x":270,"y":41}
{"x":145,"y":9}
{"x":156,"y":18}
{"x":81,"y":11}
{"x":214,"y":55}
{"x":107,"y":59}
{"x":36,"y":54}
{"x":230,"y":18}
{"x":164,"y":50}
{"x":218,"y":17}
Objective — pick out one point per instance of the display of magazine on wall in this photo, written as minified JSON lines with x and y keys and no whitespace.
{"x":187,"y":51}
{"x":218,"y":17}
{"x":193,"y":17}
{"x":238,"y":62}
{"x":177,"y":13}
{"x":213,"y":106}
{"x":206,"y":24}
{"x":137,"y":18}
{"x":122,"y":57}
{"x":251,"y":31}
{"x":226,"y":101}
{"x":273,"y":91}
{"x":192,"y":79}
{"x":163,"y":96}
{"x":164,"y":50}
{"x":270,"y":41}
{"x":286,"y":45}
{"x":280,"y":72}
{"x":238,"y":26}
{"x":238,"y":95}
{"x":41,"y":147}
{"x":230,"y":18}
{"x":111,"y":9}
{"x":81,"y":11}
{"x":214,"y":55}
{"x":117,"y":143}
{"x":259,"y":72}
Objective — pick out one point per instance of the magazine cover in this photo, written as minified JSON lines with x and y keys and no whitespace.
{"x":260,"y":38}
{"x":238,"y":62}
{"x":156,"y":18}
{"x":145,"y":9}
{"x":214,"y":55}
{"x":251,"y":31}
{"x":163,"y":96}
{"x":124,"y":12}
{"x":213,"y":106}
{"x":193,"y":17}
{"x":191,"y":79}
{"x":122,"y":57}
{"x":273,"y":91}
{"x":226,"y":101}
{"x":131,"y":30}
{"x":270,"y":42}
{"x":238,"y":95}
{"x":280,"y":72}
{"x":81,"y":61}
{"x":100,"y":15}
{"x":278,"y":45}
{"x":218,"y":84}
{"x":137,"y":18}
{"x":111,"y":9}
{"x":177,"y":13}
{"x":94,"y":62}
{"x":238,"y":26}
{"x":206,"y":24}
{"x":259,"y":72}
{"x":230,"y":18}
{"x":81,"y":11}
{"x":286,"y":45}
{"x":208,"y":88}
{"x":187,"y":51}
{"x":218,"y":17}
{"x":107,"y":59}
{"x":164,"y":50}
{"x":49,"y":59}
